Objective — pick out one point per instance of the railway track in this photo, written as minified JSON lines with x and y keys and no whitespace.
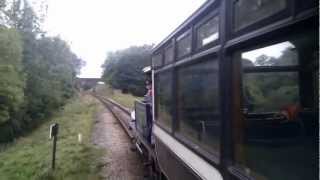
{"x":125,"y":162}
{"x":121,"y":113}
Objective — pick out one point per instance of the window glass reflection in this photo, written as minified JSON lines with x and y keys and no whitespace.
{"x":251,"y":11}
{"x":208,"y":32}
{"x":198,"y":104}
{"x":184,"y":46}
{"x":276,"y":133}
{"x":281,"y":54}
{"x":157,"y":60}
{"x":168,"y":55}
{"x":269,"y":92}
{"x":164,"y":100}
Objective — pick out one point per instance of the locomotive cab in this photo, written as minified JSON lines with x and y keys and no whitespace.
{"x":142,"y":115}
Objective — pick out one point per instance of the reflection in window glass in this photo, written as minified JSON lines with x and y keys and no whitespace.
{"x":184,"y":46}
{"x":168,"y":55}
{"x":282,"y":54}
{"x":269,"y":92}
{"x":208,"y":32}
{"x":276,"y":134}
{"x":157,"y":60}
{"x":164,"y":100}
{"x":198,"y":104}
{"x":251,"y":11}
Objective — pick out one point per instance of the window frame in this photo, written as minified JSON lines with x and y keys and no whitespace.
{"x":212,"y":158}
{"x":300,"y":9}
{"x":161,"y":59}
{"x":169,"y":130}
{"x":181,"y":37}
{"x":203,"y":21}
{"x":282,"y":14}
{"x":237,"y":73}
{"x":165,"y":49}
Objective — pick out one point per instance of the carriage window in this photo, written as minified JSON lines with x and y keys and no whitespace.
{"x":164,"y":100}
{"x":208,"y":32}
{"x":247,"y":12}
{"x":157,"y":60}
{"x":168,"y":55}
{"x":276,"y":133}
{"x":198,"y":105}
{"x":184,"y":45}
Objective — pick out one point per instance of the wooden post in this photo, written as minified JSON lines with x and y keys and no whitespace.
{"x":54,"y":134}
{"x":54,"y":152}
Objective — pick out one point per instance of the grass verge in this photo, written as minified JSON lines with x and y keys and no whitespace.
{"x":29,"y":158}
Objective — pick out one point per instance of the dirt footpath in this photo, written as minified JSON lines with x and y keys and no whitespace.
{"x":118,"y":161}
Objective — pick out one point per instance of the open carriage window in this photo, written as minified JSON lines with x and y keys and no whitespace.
{"x":266,"y":90}
{"x":279,"y":109}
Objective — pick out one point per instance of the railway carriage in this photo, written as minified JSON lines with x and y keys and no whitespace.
{"x":235,"y":94}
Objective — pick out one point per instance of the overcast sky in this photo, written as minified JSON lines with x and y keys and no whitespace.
{"x":95,"y":27}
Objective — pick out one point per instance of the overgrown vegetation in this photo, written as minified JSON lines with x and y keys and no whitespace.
{"x":36,"y":72}
{"x":30,"y":157}
{"x":123,"y":69}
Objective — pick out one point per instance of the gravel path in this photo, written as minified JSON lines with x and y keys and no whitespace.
{"x":118,"y":161}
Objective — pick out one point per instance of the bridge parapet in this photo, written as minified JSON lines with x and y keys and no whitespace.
{"x":86,"y":83}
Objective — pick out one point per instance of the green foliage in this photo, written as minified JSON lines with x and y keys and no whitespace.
{"x":11,"y":76}
{"x":50,"y":73}
{"x":123,"y":69}
{"x":36,"y":72}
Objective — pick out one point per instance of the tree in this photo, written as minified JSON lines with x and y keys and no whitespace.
{"x":11,"y":76}
{"x":123,"y":69}
{"x":36,"y":72}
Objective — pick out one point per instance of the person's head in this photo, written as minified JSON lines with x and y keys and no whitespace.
{"x":148,"y":84}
